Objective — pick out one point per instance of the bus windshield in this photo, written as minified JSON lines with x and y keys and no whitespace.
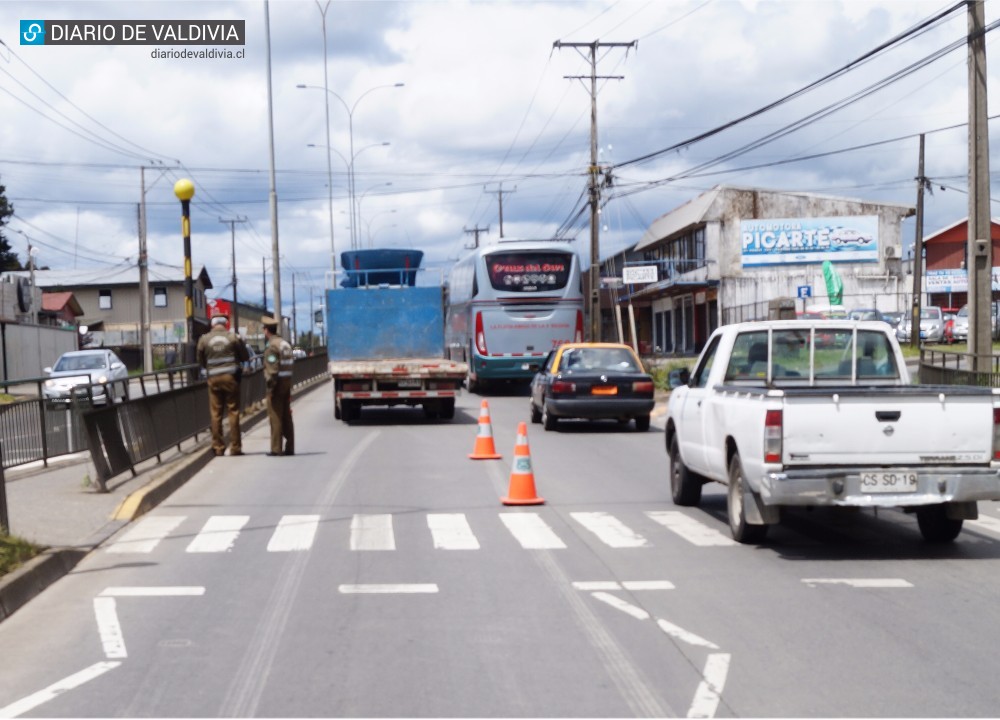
{"x":528,"y":271}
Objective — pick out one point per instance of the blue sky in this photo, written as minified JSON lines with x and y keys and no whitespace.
{"x":485,"y":105}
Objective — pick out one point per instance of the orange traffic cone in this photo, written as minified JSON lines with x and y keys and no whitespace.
{"x":484,"y":448}
{"x":522,"y":479}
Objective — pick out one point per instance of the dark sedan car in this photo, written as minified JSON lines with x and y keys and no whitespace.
{"x":592,"y":381}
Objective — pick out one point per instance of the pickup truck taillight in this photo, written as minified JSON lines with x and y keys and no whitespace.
{"x":480,"y":334}
{"x":561,"y":387}
{"x":772,"y":436}
{"x":996,"y":433}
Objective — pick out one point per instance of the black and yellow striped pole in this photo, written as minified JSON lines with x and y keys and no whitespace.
{"x":184,"y":190}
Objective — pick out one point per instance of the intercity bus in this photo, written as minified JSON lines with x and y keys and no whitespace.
{"x":509,"y":304}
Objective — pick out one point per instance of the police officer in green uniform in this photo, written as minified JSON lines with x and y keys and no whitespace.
{"x":222,"y":353}
{"x":278,"y":361}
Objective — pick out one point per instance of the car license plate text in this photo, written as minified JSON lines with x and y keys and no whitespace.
{"x":888,"y":482}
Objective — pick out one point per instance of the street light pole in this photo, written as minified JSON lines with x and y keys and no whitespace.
{"x":329,"y":160}
{"x":184,"y":190}
{"x":388,"y":184}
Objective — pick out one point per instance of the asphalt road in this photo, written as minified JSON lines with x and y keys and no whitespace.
{"x":376,"y":573}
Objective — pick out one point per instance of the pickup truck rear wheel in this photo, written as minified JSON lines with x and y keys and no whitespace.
{"x":685,"y":487}
{"x":936,"y":526}
{"x":743,"y":532}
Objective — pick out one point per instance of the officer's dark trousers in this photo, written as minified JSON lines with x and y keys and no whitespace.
{"x":224,"y":398}
{"x":279,"y":413}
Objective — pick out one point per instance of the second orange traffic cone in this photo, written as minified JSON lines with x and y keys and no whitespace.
{"x":522,"y":478}
{"x":484,"y":449}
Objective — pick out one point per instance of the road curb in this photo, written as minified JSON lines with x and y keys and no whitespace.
{"x":20,"y":586}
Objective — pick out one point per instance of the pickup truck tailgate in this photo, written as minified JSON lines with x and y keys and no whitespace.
{"x":918,"y":425}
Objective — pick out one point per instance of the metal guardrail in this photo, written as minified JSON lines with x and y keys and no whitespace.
{"x":946,"y":367}
{"x":122,"y":436}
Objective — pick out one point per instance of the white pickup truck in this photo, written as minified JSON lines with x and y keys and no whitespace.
{"x":823,"y":413}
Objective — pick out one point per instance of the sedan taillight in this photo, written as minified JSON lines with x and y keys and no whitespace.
{"x":561,"y":387}
{"x":642,"y":387}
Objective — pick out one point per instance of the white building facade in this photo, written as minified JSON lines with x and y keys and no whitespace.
{"x":721,"y":258}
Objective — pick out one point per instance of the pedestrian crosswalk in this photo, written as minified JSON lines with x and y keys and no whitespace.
{"x":376,"y":532}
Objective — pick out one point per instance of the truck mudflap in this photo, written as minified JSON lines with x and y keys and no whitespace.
{"x":880,"y":487}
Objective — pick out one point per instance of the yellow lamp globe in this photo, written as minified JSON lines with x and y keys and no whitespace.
{"x":184,"y":189}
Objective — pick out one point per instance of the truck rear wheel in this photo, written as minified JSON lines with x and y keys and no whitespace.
{"x":350,"y":410}
{"x":743,"y":532}
{"x":448,"y":408}
{"x":685,"y":486}
{"x":936,"y":526}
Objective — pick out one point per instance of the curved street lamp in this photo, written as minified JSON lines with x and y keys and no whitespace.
{"x":350,"y":128}
{"x":184,"y":190}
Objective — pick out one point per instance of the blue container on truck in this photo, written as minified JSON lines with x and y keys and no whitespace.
{"x":386,"y":347}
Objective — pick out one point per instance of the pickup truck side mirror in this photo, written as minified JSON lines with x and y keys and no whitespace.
{"x":678,"y":377}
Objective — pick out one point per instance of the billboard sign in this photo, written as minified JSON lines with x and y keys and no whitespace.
{"x":790,"y":241}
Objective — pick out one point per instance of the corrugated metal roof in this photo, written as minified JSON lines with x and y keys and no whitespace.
{"x":687,"y":215}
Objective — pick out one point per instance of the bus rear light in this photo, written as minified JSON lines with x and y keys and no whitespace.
{"x":561,"y":387}
{"x":996,"y":433}
{"x":480,"y":335}
{"x":772,"y":436}
{"x":643,"y":387}
{"x":578,"y":335}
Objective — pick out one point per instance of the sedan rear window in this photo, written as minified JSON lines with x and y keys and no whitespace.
{"x":593,"y":359}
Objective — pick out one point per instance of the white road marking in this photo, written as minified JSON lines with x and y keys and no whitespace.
{"x":986,"y":523}
{"x":451,"y":531}
{"x":531,"y":531}
{"x":146,"y":534}
{"x":372,"y":532}
{"x":56,"y":689}
{"x":108,"y":627}
{"x":166,"y":591}
{"x":609,"y":529}
{"x":683,"y":635}
{"x":706,"y":697}
{"x":694,"y":531}
{"x":592,"y":585}
{"x":294,"y":533}
{"x":218,"y":534}
{"x":619,"y":604}
{"x":387,"y":589}
{"x":647,"y":585}
{"x":859,"y":582}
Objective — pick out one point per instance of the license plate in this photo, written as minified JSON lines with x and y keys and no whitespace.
{"x":888,"y":482}
{"x":611,"y":390}
{"x":408,"y":384}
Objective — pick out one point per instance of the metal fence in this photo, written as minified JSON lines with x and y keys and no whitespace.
{"x":33,"y":429}
{"x":945,"y":367}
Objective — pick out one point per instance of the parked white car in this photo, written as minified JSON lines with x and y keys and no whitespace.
{"x":73,"y":372}
{"x":931,"y":326}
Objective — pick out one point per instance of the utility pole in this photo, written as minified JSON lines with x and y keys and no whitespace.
{"x":273,"y":195}
{"x":235,"y":319}
{"x":144,"y":315}
{"x":499,"y":193}
{"x":295,"y":321}
{"x":476,"y":230}
{"x":980,"y":242}
{"x":918,"y":252}
{"x":263,"y":280}
{"x":594,"y":277}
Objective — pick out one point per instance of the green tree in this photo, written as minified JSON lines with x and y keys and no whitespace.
{"x":8,"y":258}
